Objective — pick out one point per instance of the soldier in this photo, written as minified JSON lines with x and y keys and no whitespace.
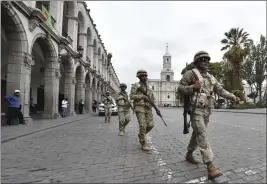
{"x":143,"y":107}
{"x":108,"y":102}
{"x":123,"y":108}
{"x":201,"y":86}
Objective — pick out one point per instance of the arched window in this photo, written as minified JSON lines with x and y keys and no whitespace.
{"x":168,"y":78}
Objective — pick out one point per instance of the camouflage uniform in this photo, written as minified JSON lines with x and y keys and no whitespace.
{"x":143,"y":110}
{"x":204,"y":103}
{"x":123,"y":110}
{"x":108,"y":102}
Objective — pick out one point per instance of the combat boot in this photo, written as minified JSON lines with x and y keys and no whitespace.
{"x":121,"y":133}
{"x":145,"y":147}
{"x":213,"y":172}
{"x":190,"y":158}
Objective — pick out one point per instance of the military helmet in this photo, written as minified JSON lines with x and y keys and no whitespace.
{"x":141,"y":72}
{"x":201,"y":54}
{"x":123,"y":85}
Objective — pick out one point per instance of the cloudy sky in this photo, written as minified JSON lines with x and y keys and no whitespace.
{"x":137,"y":32}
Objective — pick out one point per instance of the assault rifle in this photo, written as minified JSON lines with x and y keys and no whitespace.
{"x":188,"y":109}
{"x":152,"y":103}
{"x":127,"y":101}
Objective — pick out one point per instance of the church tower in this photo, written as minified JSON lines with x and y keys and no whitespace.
{"x":167,"y":73}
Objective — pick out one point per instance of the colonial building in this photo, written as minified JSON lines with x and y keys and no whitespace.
{"x":51,"y":50}
{"x":165,"y":88}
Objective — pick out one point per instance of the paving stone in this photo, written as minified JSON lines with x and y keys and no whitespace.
{"x":90,"y":151}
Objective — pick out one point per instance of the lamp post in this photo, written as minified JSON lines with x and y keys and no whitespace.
{"x":80,"y":51}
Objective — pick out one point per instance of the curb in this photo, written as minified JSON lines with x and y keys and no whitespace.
{"x":242,"y":112}
{"x":39,"y":130}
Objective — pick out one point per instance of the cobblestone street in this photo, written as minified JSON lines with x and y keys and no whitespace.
{"x":90,"y":150}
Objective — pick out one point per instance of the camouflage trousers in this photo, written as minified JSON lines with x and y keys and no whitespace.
{"x":108,"y":112}
{"x":199,"y":123}
{"x":124,"y":119}
{"x":145,"y":120}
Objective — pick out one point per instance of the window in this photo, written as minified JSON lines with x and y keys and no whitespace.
{"x":168,"y":78}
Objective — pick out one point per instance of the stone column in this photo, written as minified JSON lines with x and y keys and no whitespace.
{"x":80,"y":91}
{"x":72,"y":30}
{"x":69,"y":91}
{"x":83,"y":42}
{"x":90,"y":100}
{"x":19,"y":77}
{"x":51,"y":89}
{"x":87,"y":98}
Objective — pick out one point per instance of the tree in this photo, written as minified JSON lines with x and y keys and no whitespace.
{"x":259,"y":54}
{"x":236,"y":44}
{"x":255,"y":66}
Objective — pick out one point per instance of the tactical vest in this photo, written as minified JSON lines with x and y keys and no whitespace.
{"x":205,"y":97}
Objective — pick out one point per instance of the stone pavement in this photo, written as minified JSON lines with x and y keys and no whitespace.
{"x":248,"y":111}
{"x":9,"y":133}
{"x":91,"y":151}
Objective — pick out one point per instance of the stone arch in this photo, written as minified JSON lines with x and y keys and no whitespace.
{"x":68,"y":10}
{"x":89,"y":50}
{"x":80,"y":85}
{"x":102,"y":59}
{"x":88,"y":92}
{"x":50,"y":49}
{"x":66,"y":89}
{"x":95,"y":46}
{"x":14,"y":52}
{"x":89,"y":36}
{"x":94,"y":83}
{"x":81,"y":29}
{"x":45,"y":76}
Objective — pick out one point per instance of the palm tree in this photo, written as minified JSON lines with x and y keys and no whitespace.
{"x":237,"y":47}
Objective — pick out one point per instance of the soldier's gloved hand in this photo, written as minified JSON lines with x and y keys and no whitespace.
{"x":197,"y":85}
{"x":236,"y":99}
{"x":146,"y":98}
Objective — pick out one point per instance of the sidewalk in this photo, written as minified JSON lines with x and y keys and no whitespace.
{"x":9,"y":133}
{"x":247,"y":111}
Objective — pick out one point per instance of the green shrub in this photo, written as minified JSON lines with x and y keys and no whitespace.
{"x":239,"y":94}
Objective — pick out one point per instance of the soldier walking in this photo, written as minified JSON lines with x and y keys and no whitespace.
{"x":123,"y":108}
{"x":201,"y":86}
{"x":143,"y":107}
{"x":108,"y":102}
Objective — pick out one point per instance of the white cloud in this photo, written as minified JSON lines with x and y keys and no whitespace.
{"x":136,"y":32}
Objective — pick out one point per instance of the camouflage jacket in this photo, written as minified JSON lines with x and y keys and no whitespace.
{"x":209,"y":86}
{"x":108,"y":101}
{"x":122,"y":105}
{"x":137,"y":96}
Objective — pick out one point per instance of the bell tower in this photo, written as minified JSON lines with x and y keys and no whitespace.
{"x":166,"y":73}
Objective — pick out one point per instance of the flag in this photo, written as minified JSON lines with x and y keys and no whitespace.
{"x":47,"y":17}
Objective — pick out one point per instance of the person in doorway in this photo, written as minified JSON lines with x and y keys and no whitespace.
{"x":64,"y":107}
{"x":81,"y":105}
{"x":14,"y":108}
{"x":94,"y":106}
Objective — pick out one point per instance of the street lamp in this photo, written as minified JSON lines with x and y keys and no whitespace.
{"x":80,"y":51}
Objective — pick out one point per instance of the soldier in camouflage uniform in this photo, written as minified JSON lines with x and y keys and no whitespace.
{"x":108,"y":102}
{"x":142,"y":107}
{"x":123,"y":108}
{"x":201,"y":86}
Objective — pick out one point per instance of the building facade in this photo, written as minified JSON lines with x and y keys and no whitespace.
{"x":52,"y":50}
{"x":166,"y":87}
